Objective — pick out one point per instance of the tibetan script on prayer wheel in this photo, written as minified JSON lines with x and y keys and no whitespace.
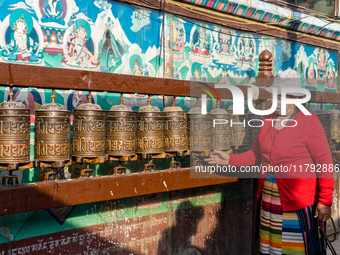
{"x":14,"y":132}
{"x":150,"y":130}
{"x":89,"y":126}
{"x":121,"y":127}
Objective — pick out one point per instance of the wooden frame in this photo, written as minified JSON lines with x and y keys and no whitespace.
{"x":44,"y":195}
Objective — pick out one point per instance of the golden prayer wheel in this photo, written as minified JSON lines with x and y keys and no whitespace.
{"x":325,"y":119}
{"x":52,"y":132}
{"x":176,"y":137}
{"x":237,"y":128}
{"x":121,"y":127}
{"x":221,"y":133}
{"x":89,"y":131}
{"x":150,"y":130}
{"x":255,"y":122}
{"x":199,"y":130}
{"x":335,"y":124}
{"x":15,"y":131}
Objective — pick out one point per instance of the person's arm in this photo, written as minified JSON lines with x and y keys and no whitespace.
{"x":248,"y":158}
{"x":319,"y":150}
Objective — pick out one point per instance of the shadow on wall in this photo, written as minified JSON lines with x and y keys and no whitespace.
{"x":225,"y":228}
{"x":177,"y":239}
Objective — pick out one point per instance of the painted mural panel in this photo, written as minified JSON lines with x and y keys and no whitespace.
{"x":107,"y":36}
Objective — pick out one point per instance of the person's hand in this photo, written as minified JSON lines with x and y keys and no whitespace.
{"x":218,"y":157}
{"x":322,"y":212}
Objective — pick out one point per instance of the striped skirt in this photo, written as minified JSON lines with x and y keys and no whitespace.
{"x":294,"y":232}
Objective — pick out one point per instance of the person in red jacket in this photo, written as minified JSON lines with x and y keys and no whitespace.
{"x":296,"y":185}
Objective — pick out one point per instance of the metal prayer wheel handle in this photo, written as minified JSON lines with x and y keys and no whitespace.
{"x":123,"y":159}
{"x":87,"y":173}
{"x":198,"y":163}
{"x":175,"y":165}
{"x":52,"y":133}
{"x":89,"y":126}
{"x":55,"y":164}
{"x":15,"y":132}
{"x":121,"y":128}
{"x":150,"y":131}
{"x":95,"y":160}
{"x":51,"y":176}
{"x":10,"y":180}
{"x":175,"y":130}
{"x":149,"y":167}
{"x":119,"y":170}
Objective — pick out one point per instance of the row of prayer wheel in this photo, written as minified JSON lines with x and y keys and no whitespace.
{"x":121,"y":132}
{"x":117,"y":133}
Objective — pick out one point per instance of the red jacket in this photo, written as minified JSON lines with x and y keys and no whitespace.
{"x":306,"y":143}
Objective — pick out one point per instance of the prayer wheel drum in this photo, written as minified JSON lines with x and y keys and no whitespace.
{"x":89,"y":131}
{"x":325,"y":119}
{"x":335,"y":124}
{"x":221,"y":133}
{"x":121,"y":127}
{"x":256,"y":122}
{"x":150,"y":130}
{"x":176,"y":136}
{"x":238,"y":130}
{"x":199,"y":129}
{"x":52,"y":133}
{"x":15,"y":131}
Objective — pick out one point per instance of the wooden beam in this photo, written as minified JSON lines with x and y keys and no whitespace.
{"x":44,"y":195}
{"x":60,"y":78}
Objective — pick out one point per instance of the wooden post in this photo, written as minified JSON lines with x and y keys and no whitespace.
{"x":265,"y":76}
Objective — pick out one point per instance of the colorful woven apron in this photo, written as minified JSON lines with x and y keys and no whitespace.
{"x":294,"y":232}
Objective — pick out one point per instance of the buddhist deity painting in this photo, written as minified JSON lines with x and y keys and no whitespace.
{"x":22,"y":40}
{"x":53,"y":11}
{"x":301,"y":63}
{"x":224,"y":46}
{"x":136,"y":66}
{"x":201,"y":43}
{"x":330,"y":74}
{"x":197,"y":72}
{"x":321,"y":57}
{"x":79,"y":49}
{"x":174,"y":38}
{"x":246,"y":51}
{"x":137,"y":63}
{"x":311,"y":73}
